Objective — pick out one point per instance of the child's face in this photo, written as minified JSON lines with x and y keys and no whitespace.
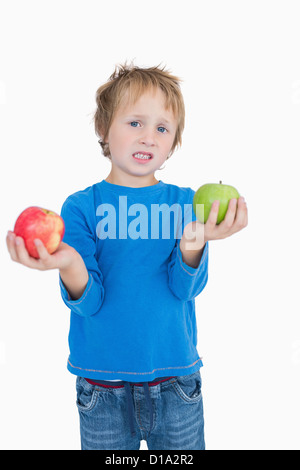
{"x":145,"y":127}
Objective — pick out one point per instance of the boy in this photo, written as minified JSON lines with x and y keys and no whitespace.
{"x":132,"y":261}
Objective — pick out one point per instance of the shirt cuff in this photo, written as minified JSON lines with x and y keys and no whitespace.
{"x":189,"y":269}
{"x":90,"y":301}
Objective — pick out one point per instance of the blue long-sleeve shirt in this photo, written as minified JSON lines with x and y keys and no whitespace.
{"x":136,"y":319}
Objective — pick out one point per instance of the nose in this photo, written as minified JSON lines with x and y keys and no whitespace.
{"x":147,"y":138}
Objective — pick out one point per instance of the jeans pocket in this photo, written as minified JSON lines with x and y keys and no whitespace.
{"x":87,"y":395}
{"x":188,"y":387}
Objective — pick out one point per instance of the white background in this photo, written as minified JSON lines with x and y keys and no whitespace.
{"x":240,"y":64}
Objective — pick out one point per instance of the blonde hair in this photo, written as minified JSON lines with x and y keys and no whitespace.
{"x":134,"y":81}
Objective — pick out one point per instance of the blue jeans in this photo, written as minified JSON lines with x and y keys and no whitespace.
{"x":173,"y":422}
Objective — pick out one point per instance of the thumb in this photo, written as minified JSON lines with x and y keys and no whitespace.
{"x":41,"y":249}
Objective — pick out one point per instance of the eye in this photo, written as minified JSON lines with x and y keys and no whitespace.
{"x":134,"y":124}
{"x":162,"y":129}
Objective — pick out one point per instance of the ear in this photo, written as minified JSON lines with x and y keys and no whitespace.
{"x":103,"y":137}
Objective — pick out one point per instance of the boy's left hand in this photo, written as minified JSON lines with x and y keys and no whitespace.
{"x":196,"y":234}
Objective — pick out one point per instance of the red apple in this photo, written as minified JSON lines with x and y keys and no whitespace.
{"x":36,"y":222}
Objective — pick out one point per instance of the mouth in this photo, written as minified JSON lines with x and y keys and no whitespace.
{"x":142,"y":157}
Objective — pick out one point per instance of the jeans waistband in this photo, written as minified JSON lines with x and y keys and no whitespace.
{"x":121,"y":383}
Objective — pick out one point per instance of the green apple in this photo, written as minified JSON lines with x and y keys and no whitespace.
{"x":207,"y":194}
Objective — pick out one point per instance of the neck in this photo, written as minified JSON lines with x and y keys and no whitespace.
{"x":131,"y":181}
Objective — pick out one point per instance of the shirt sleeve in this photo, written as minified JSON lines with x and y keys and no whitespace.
{"x":79,"y":235}
{"x":184,"y":281}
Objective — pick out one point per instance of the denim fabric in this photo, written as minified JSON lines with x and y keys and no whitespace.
{"x":178,"y":422}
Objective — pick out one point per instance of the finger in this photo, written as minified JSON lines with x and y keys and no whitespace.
{"x":10,"y":243}
{"x":213,"y":214}
{"x":241,"y":220}
{"x":246,"y":213}
{"x":22,"y":253}
{"x":230,"y":214}
{"x":44,"y":256}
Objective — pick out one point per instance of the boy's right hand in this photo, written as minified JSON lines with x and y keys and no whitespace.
{"x":62,"y":258}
